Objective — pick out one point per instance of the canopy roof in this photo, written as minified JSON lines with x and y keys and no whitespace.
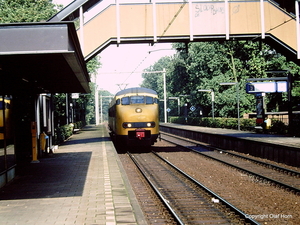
{"x":41,"y":58}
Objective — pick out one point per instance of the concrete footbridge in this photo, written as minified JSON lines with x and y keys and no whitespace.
{"x":151,"y":21}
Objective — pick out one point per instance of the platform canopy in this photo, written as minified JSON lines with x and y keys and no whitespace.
{"x":41,"y":58}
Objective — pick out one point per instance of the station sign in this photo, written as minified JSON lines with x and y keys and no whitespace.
{"x":75,"y":95}
{"x":282,"y":86}
{"x":266,"y":87}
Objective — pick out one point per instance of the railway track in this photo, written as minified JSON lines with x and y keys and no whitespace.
{"x":276,"y":175}
{"x":189,"y":201}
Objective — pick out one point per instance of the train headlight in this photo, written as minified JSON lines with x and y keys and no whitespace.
{"x":150,"y":124}
{"x":138,"y":110}
{"x":127,"y":125}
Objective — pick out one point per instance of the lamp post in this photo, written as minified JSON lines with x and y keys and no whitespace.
{"x":238,"y":99}
{"x":178,"y":103}
{"x":165,"y":90}
{"x":185,"y":106}
{"x":212,"y":99}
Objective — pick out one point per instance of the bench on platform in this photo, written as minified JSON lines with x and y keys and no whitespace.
{"x":76,"y":131}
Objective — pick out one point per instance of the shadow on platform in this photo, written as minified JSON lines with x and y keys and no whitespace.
{"x":62,"y":174}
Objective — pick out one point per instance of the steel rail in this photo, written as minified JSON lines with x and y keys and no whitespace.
{"x":238,"y":212}
{"x":286,"y":186}
{"x":265,"y":164}
{"x":215,"y":195}
{"x":179,"y":221}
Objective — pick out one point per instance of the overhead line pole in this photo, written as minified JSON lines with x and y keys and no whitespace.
{"x":165,"y":95}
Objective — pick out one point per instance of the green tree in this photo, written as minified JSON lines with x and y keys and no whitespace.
{"x":204,"y":65}
{"x":155,"y":80}
{"x":88,"y":100}
{"x":16,"y":11}
{"x":59,"y":102}
{"x":85,"y":104}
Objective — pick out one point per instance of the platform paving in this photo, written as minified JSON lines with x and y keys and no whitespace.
{"x":83,"y":182}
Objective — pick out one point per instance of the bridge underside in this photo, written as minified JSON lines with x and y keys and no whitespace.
{"x":185,"y":22}
{"x":269,"y":39}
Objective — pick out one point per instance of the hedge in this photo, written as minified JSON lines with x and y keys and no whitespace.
{"x":229,"y":123}
{"x":62,"y":133}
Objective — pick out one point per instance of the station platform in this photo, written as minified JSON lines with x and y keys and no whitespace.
{"x":279,"y":148}
{"x":83,"y":182}
{"x":277,"y":139}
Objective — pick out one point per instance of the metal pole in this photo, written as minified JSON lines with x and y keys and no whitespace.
{"x":237,"y":90}
{"x":227,"y":19}
{"x":154,"y":21}
{"x":212,"y":103}
{"x":118,"y":22}
{"x":178,"y":106}
{"x":165,"y":95}
{"x":262,"y":19}
{"x":96,"y":106}
{"x":290,"y":110}
{"x":101,"y":109}
{"x":238,"y":105}
{"x":191,"y":20}
{"x":67,"y":109}
{"x":81,"y":28}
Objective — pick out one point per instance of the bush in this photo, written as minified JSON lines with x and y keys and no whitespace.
{"x":79,"y":125}
{"x":64,"y":132}
{"x":278,"y":127}
{"x":248,"y":124}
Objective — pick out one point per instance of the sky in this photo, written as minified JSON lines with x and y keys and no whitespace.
{"x":120,"y":64}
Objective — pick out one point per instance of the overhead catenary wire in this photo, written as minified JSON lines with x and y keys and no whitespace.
{"x":164,"y":32}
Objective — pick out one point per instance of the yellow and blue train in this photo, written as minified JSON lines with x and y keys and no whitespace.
{"x":5,"y":120}
{"x":134,"y":117}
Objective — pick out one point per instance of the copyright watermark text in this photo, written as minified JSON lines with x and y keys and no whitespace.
{"x":269,"y":216}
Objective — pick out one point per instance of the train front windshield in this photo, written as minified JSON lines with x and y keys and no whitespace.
{"x":138,"y":100}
